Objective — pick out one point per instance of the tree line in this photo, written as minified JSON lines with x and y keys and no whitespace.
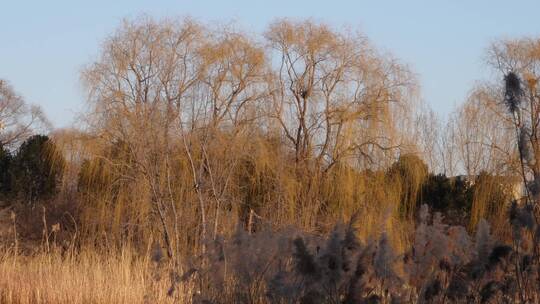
{"x":194,"y":129}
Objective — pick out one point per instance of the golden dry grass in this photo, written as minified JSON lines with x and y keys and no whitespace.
{"x":87,"y":277}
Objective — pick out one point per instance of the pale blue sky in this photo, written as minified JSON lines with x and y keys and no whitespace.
{"x":44,"y":44}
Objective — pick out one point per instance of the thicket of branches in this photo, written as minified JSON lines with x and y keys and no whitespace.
{"x":199,"y":129}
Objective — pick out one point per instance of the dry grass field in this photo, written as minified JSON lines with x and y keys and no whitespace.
{"x":87,"y":277}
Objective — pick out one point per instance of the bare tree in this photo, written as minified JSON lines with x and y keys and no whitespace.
{"x":198,"y":123}
{"x":18,"y":119}
{"x":519,"y":62}
{"x":176,"y":87}
{"x":137,"y":90}
{"x":334,"y":96}
{"x":336,"y":102}
{"x":427,"y":132}
{"x":482,"y":137}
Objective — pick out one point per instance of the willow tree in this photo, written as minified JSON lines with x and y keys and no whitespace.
{"x":334,"y":100}
{"x":499,"y":116}
{"x":408,"y":174}
{"x":137,"y":90}
{"x":214,"y":126}
{"x":233,"y":86}
{"x":333,"y":92}
{"x":481,"y":141}
{"x":427,"y":133}
{"x":481,"y":136}
{"x":177,"y":95}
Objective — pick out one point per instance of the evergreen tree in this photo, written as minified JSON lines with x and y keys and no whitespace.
{"x":5,"y":181}
{"x":451,"y":196}
{"x":36,"y":169}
